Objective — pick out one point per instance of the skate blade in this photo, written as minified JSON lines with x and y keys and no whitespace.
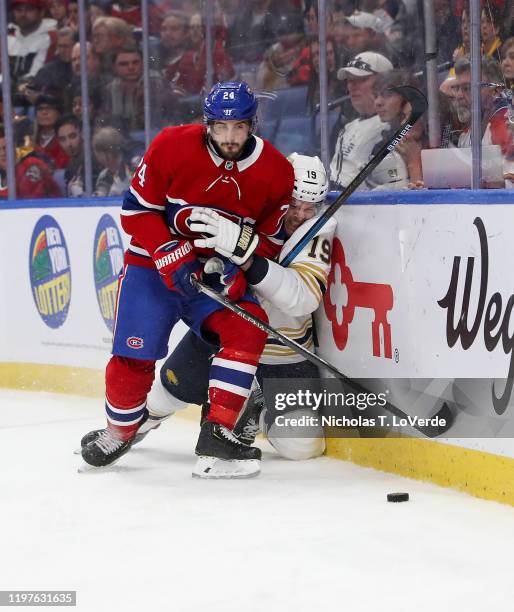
{"x":212,"y":467}
{"x":86,"y":468}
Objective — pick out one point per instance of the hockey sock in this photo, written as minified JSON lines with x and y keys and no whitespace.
{"x":234,"y":366}
{"x":128,"y":382}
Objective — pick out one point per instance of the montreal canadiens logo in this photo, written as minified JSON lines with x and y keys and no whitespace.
{"x":107,"y":264}
{"x":135,"y":343}
{"x":50,"y":273}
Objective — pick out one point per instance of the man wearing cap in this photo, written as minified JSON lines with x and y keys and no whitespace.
{"x":358,"y":137}
{"x":365,"y":32}
{"x":29,"y":40}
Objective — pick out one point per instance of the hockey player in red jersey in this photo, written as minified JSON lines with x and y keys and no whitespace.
{"x":220,"y":166}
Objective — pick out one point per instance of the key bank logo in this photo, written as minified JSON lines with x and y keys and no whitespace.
{"x":345,"y":295}
{"x":107,"y":264}
{"x":50,"y":273}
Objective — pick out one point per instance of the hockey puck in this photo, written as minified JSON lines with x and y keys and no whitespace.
{"x":397,"y":497}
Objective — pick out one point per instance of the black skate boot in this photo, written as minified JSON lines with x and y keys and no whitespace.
{"x":206,"y":406}
{"x":247,"y":426}
{"x":149,"y":422}
{"x":222,"y":455}
{"x":105,"y":449}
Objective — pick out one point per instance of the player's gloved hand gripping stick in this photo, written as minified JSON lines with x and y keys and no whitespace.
{"x":177,"y":264}
{"x":230,"y":278}
{"x":237,"y":242}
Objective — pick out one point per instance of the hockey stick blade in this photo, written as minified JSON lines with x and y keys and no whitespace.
{"x":419,"y":105}
{"x":443,"y":413}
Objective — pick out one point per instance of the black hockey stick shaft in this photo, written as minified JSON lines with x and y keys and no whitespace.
{"x":419,"y":105}
{"x":443,"y":413}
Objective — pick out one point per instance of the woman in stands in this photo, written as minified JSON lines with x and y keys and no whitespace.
{"x":48,"y":112}
{"x":336,"y":88}
{"x":507,"y":54}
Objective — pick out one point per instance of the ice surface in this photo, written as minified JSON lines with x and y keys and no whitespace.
{"x":316,"y":535}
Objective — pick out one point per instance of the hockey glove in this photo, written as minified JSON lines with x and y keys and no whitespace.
{"x":237,"y":242}
{"x":176,"y":263}
{"x":226,"y":277}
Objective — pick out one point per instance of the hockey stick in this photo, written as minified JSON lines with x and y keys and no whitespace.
{"x":419,"y":105}
{"x":429,"y":431}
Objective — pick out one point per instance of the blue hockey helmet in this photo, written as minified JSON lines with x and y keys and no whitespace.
{"x":230,"y":101}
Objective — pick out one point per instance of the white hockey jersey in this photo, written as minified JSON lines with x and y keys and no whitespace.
{"x":27,"y":54}
{"x":290,"y":295}
{"x":353,"y":148}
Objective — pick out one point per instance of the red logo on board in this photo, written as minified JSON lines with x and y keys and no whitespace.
{"x":344,"y":295}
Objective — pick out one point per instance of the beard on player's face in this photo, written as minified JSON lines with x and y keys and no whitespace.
{"x":230,"y":150}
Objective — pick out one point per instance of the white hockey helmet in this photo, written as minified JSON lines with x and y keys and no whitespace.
{"x":310,"y":178}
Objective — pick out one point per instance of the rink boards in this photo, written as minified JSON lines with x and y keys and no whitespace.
{"x":421,"y":286}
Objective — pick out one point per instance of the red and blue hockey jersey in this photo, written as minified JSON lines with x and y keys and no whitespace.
{"x":181,"y":171}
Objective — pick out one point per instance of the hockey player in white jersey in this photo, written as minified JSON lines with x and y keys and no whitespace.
{"x":289,"y":297}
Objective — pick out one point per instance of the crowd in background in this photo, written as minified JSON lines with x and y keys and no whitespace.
{"x":372,"y":45}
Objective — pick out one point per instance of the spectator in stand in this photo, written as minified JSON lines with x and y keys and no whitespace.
{"x":108,"y":148}
{"x":358,"y":137}
{"x":397,"y":26}
{"x":403,"y":165}
{"x":507,"y":65}
{"x":337,"y":31}
{"x":58,"y":10}
{"x":172,"y":44}
{"x":336,"y":87}
{"x":96,"y":80}
{"x":95,"y":102}
{"x":54,"y":75}
{"x":92,"y":60}
{"x":192,"y":67}
{"x":94,"y":12}
{"x":123,"y":97}
{"x":276,"y":69}
{"x":447,"y":26}
{"x":32,"y":174}
{"x":302,"y":68}
{"x":448,"y":86}
{"x":30,"y":44}
{"x":310,"y":19}
{"x":494,"y":108}
{"x":490,"y":28}
{"x":365,"y":32}
{"x":252,"y":31}
{"x":48,"y":112}
{"x":465,"y":47}
{"x":109,"y":35}
{"x":130,"y":12}
{"x":73,"y":15}
{"x":69,"y":133}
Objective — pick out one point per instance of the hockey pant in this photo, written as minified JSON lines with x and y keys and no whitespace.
{"x":146,"y":314}
{"x":178,"y":389}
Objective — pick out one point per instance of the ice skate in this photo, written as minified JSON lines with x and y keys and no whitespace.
{"x":105,"y":449}
{"x":247,"y":426}
{"x":151,"y":422}
{"x":222,"y":455}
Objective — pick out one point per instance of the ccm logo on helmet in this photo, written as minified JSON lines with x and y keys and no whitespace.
{"x":135,"y":343}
